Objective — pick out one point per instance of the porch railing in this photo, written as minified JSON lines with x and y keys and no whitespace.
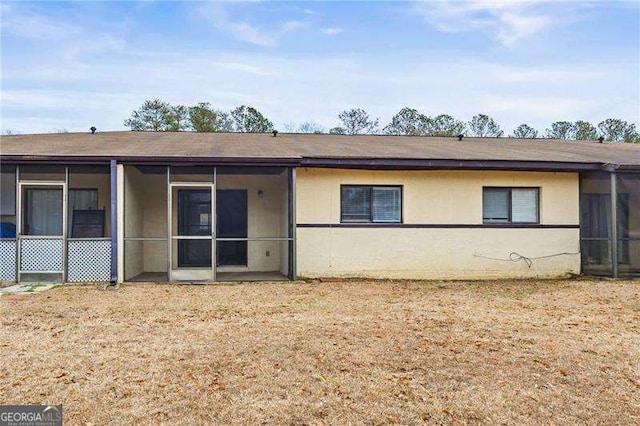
{"x":8,"y":259}
{"x":88,"y":259}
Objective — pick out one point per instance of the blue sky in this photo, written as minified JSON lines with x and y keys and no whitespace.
{"x":78,"y":64}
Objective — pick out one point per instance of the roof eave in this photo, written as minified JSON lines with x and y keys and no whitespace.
{"x":148,"y":160}
{"x":435,"y":164}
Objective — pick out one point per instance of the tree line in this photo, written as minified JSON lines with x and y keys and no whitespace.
{"x":158,"y":115}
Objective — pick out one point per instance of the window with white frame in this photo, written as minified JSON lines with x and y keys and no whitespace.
{"x":510,"y":205}
{"x":370,"y":204}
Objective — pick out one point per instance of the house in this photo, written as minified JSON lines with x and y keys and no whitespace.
{"x":203,"y":207}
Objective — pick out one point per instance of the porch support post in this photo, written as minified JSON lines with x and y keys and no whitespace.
{"x":614,"y":225}
{"x":169,"y":219}
{"x":114,"y":220}
{"x":65,"y":222}
{"x":18,"y":222}
{"x":119,"y":228}
{"x":293,"y":269}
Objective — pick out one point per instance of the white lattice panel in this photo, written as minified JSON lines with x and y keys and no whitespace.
{"x":89,"y":261}
{"x":8,"y":260}
{"x":41,"y":254}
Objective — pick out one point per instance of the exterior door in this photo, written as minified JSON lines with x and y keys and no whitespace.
{"x":41,"y":236}
{"x":194,"y":218}
{"x":191,"y":225}
{"x":231,"y":223}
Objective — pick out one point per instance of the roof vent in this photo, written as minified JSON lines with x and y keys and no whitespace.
{"x":601,"y":139}
{"x":93,"y":129}
{"x":275,"y":133}
{"x":460,"y":136}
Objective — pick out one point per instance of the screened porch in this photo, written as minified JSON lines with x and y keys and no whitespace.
{"x":610,"y":223}
{"x":207,"y":224}
{"x":55,"y":223}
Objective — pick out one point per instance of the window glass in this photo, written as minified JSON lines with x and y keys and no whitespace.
{"x":524,"y":205}
{"x":386,"y":204}
{"x":43,"y":211}
{"x":510,"y":205}
{"x":496,"y":204}
{"x":356,"y":204}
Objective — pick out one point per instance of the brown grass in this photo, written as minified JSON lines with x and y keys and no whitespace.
{"x":526,"y":352}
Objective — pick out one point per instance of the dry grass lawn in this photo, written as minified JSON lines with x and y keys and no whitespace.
{"x":514,"y":352}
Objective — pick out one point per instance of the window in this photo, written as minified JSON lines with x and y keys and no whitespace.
{"x":80,"y":199}
{"x":371,"y":204}
{"x":510,"y":205}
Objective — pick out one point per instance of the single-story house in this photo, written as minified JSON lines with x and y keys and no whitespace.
{"x":205,"y":207}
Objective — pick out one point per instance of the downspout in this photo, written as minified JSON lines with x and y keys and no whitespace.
{"x":114,"y":221}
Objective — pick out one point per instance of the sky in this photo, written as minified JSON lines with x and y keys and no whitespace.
{"x":73,"y":65}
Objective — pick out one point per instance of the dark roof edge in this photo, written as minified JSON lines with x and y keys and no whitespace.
{"x":407,"y":164}
{"x":173,"y":161}
{"x":342,"y":163}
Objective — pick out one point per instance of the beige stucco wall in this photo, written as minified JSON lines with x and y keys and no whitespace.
{"x":133,"y":260}
{"x":145,"y":216}
{"x":442,"y":198}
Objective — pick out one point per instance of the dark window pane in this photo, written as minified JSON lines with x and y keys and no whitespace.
{"x":43,"y":211}
{"x":495,"y":202}
{"x":356,"y":204}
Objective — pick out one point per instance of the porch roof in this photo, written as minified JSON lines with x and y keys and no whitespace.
{"x":370,"y":151}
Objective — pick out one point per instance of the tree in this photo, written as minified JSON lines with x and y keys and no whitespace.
{"x":443,"y":125}
{"x":249,"y":120}
{"x":356,"y":121}
{"x":203,"y":118}
{"x":179,"y":118}
{"x":524,"y":131}
{"x":583,"y":130}
{"x":616,"y":130}
{"x":337,"y":131}
{"x":482,"y":125}
{"x":408,"y":122}
{"x":310,"y":127}
{"x":154,"y":115}
{"x":560,"y":130}
{"x":9,"y":132}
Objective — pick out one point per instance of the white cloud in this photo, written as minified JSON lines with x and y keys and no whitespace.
{"x":331,"y":31}
{"x":70,"y":40}
{"x":244,"y":30}
{"x":507,"y":21}
{"x":27,"y":22}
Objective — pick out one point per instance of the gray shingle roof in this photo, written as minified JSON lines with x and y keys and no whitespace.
{"x":256,"y":146}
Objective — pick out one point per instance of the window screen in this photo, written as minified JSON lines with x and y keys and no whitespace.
{"x":373,"y":204}
{"x":510,"y":205}
{"x":524,"y":204}
{"x":386,"y":204}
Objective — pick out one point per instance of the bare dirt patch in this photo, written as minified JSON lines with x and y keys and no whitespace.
{"x":516,"y":352}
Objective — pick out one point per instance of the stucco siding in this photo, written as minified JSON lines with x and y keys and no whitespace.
{"x":435,"y":198}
